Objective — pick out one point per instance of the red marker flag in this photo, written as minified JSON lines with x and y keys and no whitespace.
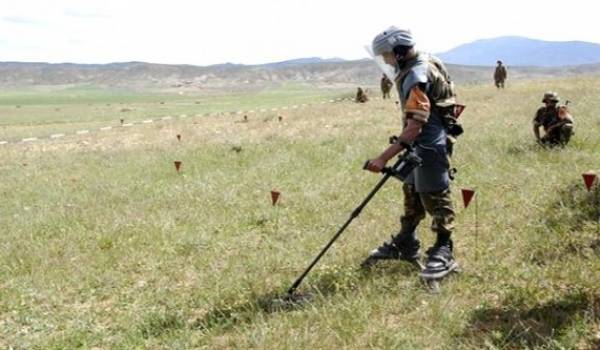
{"x":589,"y":178}
{"x":178,"y":137}
{"x":177,"y":165}
{"x":274,"y":197}
{"x":458,"y":109}
{"x":467,"y":195}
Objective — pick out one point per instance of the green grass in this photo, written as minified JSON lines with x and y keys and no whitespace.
{"x":106,"y":246}
{"x":41,"y":111}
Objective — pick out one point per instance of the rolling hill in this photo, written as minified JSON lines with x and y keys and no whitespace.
{"x":309,"y":71}
{"x":520,"y":51}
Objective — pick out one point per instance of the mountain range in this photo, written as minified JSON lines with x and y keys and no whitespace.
{"x":526,"y":59}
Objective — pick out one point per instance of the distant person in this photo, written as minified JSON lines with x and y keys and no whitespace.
{"x":556,"y":121}
{"x":500,"y":75}
{"x":427,"y":98}
{"x":386,"y":86}
{"x":361,"y":97}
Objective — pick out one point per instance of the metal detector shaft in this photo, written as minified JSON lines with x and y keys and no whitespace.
{"x":355,"y":213}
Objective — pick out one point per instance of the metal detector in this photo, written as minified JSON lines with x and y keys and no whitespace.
{"x":405,"y":164}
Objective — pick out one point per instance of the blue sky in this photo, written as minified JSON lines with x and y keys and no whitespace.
{"x":259,"y":31}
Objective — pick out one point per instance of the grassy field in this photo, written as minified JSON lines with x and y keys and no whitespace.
{"x":40,"y":111}
{"x":105,"y":246}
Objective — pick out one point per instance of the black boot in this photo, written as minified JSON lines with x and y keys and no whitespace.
{"x":440,"y":261}
{"x":403,"y":246}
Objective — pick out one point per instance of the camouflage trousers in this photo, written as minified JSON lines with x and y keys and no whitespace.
{"x":437,"y":204}
{"x":559,"y":136}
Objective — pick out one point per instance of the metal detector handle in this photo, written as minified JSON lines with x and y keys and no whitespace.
{"x":389,"y":170}
{"x":366,"y":164}
{"x":385,"y":170}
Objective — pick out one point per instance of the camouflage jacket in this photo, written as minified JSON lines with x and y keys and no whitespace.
{"x":547,"y":117}
{"x":386,"y":84}
{"x":500,"y":73}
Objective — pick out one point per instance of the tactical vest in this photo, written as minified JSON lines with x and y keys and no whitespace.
{"x":429,"y":71}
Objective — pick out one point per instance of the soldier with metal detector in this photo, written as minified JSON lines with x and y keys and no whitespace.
{"x":428,"y":102}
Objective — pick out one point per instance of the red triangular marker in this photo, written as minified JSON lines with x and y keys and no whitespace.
{"x":178,"y":137}
{"x":467,"y":195}
{"x":458,"y":109}
{"x":589,"y":179}
{"x":177,"y":165}
{"x":274,"y":197}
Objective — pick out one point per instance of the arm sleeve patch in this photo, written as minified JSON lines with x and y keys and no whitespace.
{"x":417,"y":105}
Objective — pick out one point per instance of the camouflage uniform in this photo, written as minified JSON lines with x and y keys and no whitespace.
{"x":549,"y":117}
{"x":500,"y":75}
{"x":555,"y":120}
{"x":427,"y":95}
{"x":361,"y":97}
{"x":437,"y":204}
{"x":386,"y":86}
